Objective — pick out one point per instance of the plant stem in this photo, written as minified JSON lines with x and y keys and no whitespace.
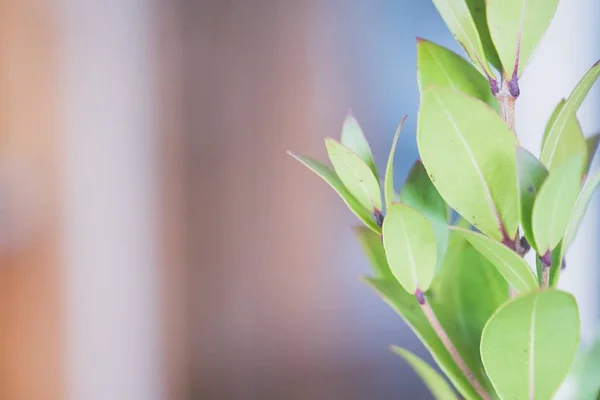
{"x":437,"y":327}
{"x":545,"y":276}
{"x":546,"y":260}
{"x":507,"y":104}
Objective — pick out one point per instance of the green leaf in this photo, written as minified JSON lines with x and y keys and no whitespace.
{"x":464,"y":312}
{"x":419,"y":193}
{"x":552,"y":119}
{"x":329,"y":176}
{"x":435,"y":382}
{"x":554,"y":203}
{"x":591,"y":145}
{"x":355,"y":174}
{"x":509,"y":264}
{"x":437,"y":65}
{"x":372,"y":246}
{"x":531,"y":174}
{"x":570,"y":142}
{"x":474,"y":171}
{"x":457,"y":17}
{"x":517,"y":27}
{"x":354,"y":138}
{"x":581,"y":205}
{"x":406,"y":306}
{"x":529,"y":344}
{"x":409,"y":242}
{"x":388,"y":187}
{"x":478,"y":12}
{"x":566,"y":113}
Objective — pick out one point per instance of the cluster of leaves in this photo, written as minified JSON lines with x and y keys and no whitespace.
{"x":428,"y":263}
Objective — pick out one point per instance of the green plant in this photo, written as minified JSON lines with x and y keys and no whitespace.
{"x":496,"y":327}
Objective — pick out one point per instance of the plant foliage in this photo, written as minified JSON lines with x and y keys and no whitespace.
{"x":495,"y":325}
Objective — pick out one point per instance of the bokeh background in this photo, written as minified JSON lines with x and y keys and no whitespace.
{"x":156,"y":242}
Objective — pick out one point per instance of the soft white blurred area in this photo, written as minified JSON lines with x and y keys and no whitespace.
{"x":108,"y":78}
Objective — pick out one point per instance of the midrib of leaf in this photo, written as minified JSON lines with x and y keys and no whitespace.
{"x":473,"y":49}
{"x":531,"y":351}
{"x":519,"y":37}
{"x":555,"y":140}
{"x":503,"y":261}
{"x":441,"y":66}
{"x":472,"y":158}
{"x":371,"y":199}
{"x":362,"y":186}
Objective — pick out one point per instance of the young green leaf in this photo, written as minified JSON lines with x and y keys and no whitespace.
{"x":409,"y":242}
{"x":474,"y":171}
{"x":581,"y":205}
{"x":552,"y":119}
{"x":570,"y":142}
{"x":591,"y":145}
{"x":457,"y":17}
{"x":433,"y":380}
{"x":567,"y":111}
{"x":418,"y":192}
{"x":478,"y":12}
{"x":388,"y":184}
{"x":529,"y":344}
{"x":517,"y":27}
{"x":329,"y":176}
{"x":371,"y":245}
{"x":509,"y":264}
{"x":437,"y":65}
{"x":406,"y":305}
{"x":531,"y":173}
{"x":554,"y":203}
{"x":355,"y":174}
{"x":354,"y":138}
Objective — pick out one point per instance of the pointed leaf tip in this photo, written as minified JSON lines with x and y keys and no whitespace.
{"x":354,"y":138}
{"x":388,"y":183}
{"x":329,"y":176}
{"x":458,"y":19}
{"x":433,"y":380}
{"x":356,"y":175}
{"x":439,"y":66}
{"x":560,"y":121}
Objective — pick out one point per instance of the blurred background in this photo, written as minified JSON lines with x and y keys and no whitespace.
{"x":156,"y":242}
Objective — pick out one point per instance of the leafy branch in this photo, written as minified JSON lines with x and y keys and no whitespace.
{"x":449,"y":278}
